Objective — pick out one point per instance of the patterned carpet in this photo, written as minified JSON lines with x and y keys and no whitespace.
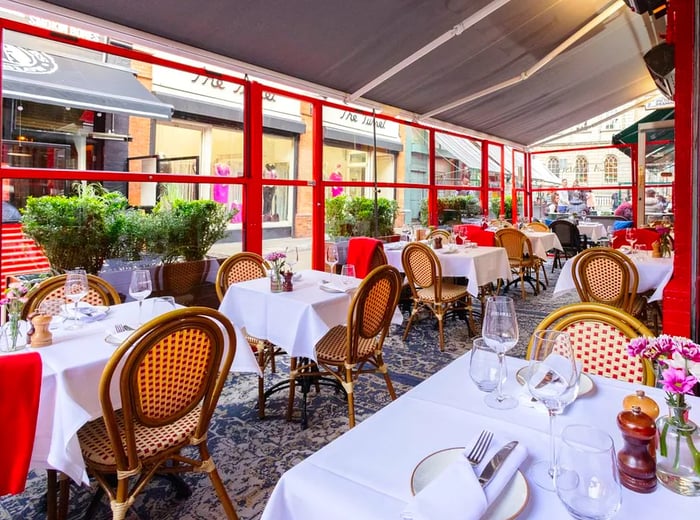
{"x":251,"y":454}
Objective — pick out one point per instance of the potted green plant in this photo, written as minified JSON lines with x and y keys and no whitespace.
{"x":74,"y":231}
{"x":452,"y":209}
{"x":355,"y":216}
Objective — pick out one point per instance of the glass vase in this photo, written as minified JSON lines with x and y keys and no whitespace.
{"x":275,"y":282}
{"x":13,"y":335}
{"x":678,"y":455}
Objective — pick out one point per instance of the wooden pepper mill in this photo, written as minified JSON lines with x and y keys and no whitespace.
{"x":636,"y":462}
{"x":42,"y":335}
{"x":287,"y":285}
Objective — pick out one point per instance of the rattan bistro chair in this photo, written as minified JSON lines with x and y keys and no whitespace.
{"x":430,"y":291}
{"x":170,"y":373}
{"x":521,"y":258}
{"x":599,"y":335}
{"x":536,"y":226}
{"x":240,"y":268}
{"x":100,"y":292}
{"x":605,"y":275}
{"x":442,"y":233}
{"x":346,"y":351}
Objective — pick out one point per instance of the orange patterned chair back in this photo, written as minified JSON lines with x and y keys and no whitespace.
{"x":517,"y":245}
{"x":605,"y":275}
{"x":537,"y":226}
{"x":422,"y":268}
{"x":239,"y":268}
{"x":100,"y":292}
{"x":599,"y":335}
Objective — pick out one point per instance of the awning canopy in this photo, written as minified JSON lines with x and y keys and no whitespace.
{"x":518,"y":70}
{"x":630,"y":134}
{"x":35,"y":75}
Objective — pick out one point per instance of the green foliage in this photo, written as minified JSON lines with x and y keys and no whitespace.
{"x":354,"y":216}
{"x":495,"y":206}
{"x":188,"y":228}
{"x":73,"y":231}
{"x":466,"y":206}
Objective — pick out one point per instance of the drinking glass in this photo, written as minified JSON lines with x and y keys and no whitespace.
{"x":631,"y":238}
{"x":331,"y":257}
{"x":611,"y":236}
{"x":552,"y":378}
{"x":348,"y":273}
{"x":140,"y":287}
{"x":75,"y":289}
{"x":500,"y":332}
{"x":483,"y":366}
{"x":587,"y":482}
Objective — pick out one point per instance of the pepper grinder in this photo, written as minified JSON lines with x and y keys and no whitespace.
{"x":42,"y":336}
{"x":287,"y":285}
{"x":636,"y":461}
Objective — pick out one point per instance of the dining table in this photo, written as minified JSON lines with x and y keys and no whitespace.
{"x":294,"y":320}
{"x":368,"y":472}
{"x":543,"y":241}
{"x":479,"y":265}
{"x":654,"y":274}
{"x":595,"y":231}
{"x":71,"y":371}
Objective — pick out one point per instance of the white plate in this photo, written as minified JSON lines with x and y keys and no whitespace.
{"x":445,"y":251}
{"x":509,"y":505}
{"x":67,"y":309}
{"x":585,"y":383}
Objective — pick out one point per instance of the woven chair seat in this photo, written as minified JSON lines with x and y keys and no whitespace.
{"x":450,"y":292}
{"x":333,"y":347}
{"x":96,"y":446}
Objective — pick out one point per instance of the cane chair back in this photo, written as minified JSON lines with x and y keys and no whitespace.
{"x":346,"y":351}
{"x":242,"y":267}
{"x":521,"y":258}
{"x":600,"y":335}
{"x":536,"y":226}
{"x":442,"y":233}
{"x":429,"y":290}
{"x":605,"y":275}
{"x":100,"y":292}
{"x":170,"y":373}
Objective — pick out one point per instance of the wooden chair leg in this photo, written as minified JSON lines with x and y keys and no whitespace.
{"x":292,"y":387}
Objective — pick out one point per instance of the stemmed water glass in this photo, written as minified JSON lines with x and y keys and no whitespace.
{"x":75,"y":289}
{"x":483,"y":366}
{"x":140,"y":287}
{"x":292,"y":256}
{"x":500,"y":332}
{"x":631,"y":238}
{"x":552,"y":378}
{"x":331,"y":257}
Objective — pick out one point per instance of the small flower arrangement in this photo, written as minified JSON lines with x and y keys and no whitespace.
{"x":14,"y":298}
{"x":678,"y":359}
{"x":665,"y":240}
{"x":277,"y":261}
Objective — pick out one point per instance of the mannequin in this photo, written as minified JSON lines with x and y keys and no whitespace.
{"x":335,"y":175}
{"x":268,"y":191}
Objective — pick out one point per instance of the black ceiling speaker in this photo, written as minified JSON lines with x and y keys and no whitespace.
{"x":661,"y":64}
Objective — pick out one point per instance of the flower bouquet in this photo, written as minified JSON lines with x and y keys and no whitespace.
{"x":14,"y":297}
{"x":678,"y":457}
{"x":277,"y":262}
{"x":665,"y":241}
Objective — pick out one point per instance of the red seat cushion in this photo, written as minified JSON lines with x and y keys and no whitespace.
{"x":20,"y":385}
{"x":645,"y":237}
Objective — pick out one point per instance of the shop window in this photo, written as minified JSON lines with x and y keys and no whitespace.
{"x":581,"y":169}
{"x":553,"y":165}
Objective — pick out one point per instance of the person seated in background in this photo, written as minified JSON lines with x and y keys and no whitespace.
{"x":577,"y":200}
{"x":650,"y":202}
{"x":661,"y":203}
{"x":624,"y":210}
{"x":554,"y":203}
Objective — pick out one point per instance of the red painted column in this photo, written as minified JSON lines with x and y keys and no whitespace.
{"x":252,"y":160}
{"x":677,"y":316}
{"x":319,"y":200}
{"x":432,"y":193}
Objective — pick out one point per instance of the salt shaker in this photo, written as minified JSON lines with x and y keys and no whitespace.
{"x":636,"y":461}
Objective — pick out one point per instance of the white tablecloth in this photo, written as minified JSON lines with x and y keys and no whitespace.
{"x":293,"y":320}
{"x":366,"y":473}
{"x":480,"y":265}
{"x":654,"y":274}
{"x":593,"y":230}
{"x":72,"y":367}
{"x":543,"y":241}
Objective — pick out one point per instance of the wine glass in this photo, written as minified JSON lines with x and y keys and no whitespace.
{"x":75,"y":289}
{"x":611,"y":235}
{"x":292,"y":256}
{"x":500,"y":332}
{"x":140,"y":287}
{"x":586,"y":481}
{"x":631,"y":238}
{"x":483,"y":366}
{"x":331,"y":257}
{"x":552,"y":378}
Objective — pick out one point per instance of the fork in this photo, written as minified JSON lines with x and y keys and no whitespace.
{"x":479,"y":450}
{"x":119,"y":328}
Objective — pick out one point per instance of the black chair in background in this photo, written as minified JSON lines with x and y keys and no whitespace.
{"x":571,"y":239}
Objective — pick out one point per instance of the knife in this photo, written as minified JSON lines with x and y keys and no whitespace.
{"x":496,"y":461}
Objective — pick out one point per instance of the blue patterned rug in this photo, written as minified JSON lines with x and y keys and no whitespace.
{"x":251,"y":454}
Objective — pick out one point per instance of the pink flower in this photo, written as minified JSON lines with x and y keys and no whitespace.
{"x":676,"y":381}
{"x":637,"y":346}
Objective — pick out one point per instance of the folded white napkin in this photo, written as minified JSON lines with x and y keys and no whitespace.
{"x":456,"y":492}
{"x":114,"y":337}
{"x":336,"y":287}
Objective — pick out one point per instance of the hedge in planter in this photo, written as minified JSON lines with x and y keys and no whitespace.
{"x":354,"y":216}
